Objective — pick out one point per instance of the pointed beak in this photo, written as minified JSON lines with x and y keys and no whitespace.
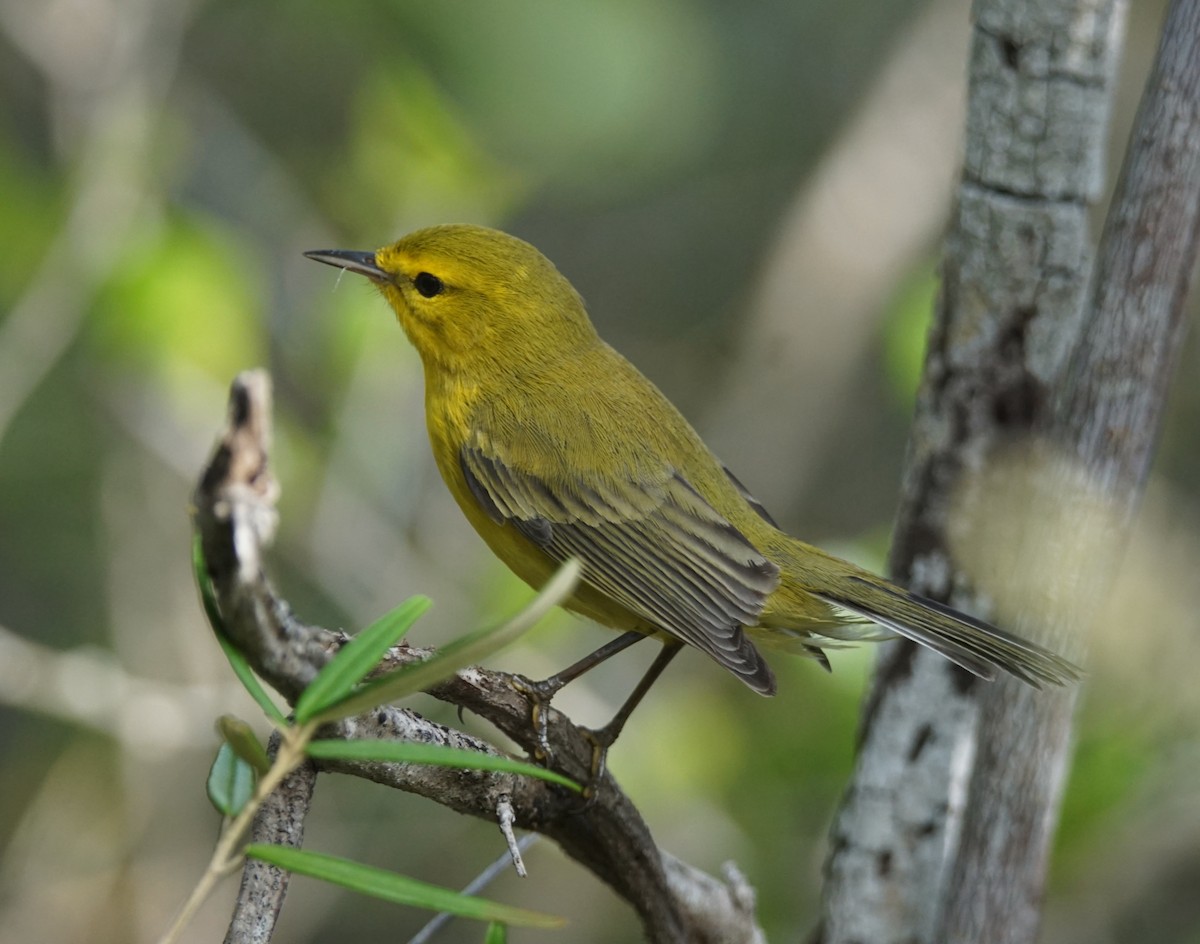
{"x":351,"y":261}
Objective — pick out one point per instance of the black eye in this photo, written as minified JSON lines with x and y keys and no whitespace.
{"x":428,"y":284}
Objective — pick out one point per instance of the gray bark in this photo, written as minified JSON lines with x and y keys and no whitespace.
{"x":280,"y":820}
{"x":1014,"y":280}
{"x":1105,"y":421}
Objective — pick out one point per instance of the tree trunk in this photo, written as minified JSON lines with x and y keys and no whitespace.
{"x":907,"y":845}
{"x":1105,"y":421}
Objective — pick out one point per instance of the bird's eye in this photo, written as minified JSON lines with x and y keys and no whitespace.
{"x":428,"y":284}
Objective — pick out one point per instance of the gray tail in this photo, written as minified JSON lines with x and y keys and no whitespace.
{"x":978,"y":647}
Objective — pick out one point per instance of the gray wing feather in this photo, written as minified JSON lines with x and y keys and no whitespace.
{"x":658,"y":549}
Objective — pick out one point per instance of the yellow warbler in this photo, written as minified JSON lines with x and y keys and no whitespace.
{"x":555,"y":446}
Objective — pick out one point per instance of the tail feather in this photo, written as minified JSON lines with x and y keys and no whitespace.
{"x":978,"y":647}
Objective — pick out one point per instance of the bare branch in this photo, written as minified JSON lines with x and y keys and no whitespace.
{"x":1014,"y":283}
{"x":726,"y":908}
{"x":506,"y":817}
{"x":235,"y":515}
{"x":474,"y":887}
{"x":280,"y":820}
{"x":1113,"y":402}
{"x":1107,"y":415}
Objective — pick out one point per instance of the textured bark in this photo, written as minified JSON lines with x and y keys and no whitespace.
{"x":280,"y":820}
{"x":1105,"y":421}
{"x":1014,"y":277}
{"x":235,"y":516}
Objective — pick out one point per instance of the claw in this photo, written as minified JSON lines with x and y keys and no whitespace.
{"x":540,"y":719}
{"x":602,"y":739}
{"x":540,"y":693}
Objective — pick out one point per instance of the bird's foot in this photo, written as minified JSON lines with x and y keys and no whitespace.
{"x":540,"y":694}
{"x":601,"y":739}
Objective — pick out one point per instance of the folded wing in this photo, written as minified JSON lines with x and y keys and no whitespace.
{"x":655,"y":547}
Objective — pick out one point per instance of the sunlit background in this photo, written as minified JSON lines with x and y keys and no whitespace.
{"x":750,"y":197}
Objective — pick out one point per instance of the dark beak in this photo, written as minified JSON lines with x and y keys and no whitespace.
{"x":351,"y":261}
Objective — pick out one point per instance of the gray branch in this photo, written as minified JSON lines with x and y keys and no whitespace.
{"x":280,"y":820}
{"x":1106,"y":418}
{"x":943,"y":833}
{"x":235,"y":516}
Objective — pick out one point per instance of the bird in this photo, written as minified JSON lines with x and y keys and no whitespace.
{"x":554,"y":446}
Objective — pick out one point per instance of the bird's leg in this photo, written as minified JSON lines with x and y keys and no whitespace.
{"x":549,"y":687}
{"x":604,"y":738}
{"x":542,"y":692}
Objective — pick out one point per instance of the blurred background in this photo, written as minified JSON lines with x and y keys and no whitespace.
{"x":750,"y":198}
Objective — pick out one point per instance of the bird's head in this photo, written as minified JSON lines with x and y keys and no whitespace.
{"x":469,"y":297}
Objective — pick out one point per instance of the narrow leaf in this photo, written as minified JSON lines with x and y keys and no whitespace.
{"x":407,"y":752}
{"x":357,"y":658}
{"x":204,"y":584}
{"x":396,"y":888}
{"x":241,"y":737}
{"x":245,"y":674}
{"x":237,"y":661}
{"x":496,"y":934}
{"x":230,"y":782}
{"x":464,"y":651}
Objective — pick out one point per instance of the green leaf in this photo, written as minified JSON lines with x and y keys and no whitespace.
{"x":357,"y":658}
{"x":241,"y":668}
{"x":496,"y":934}
{"x":237,"y":661}
{"x":204,"y":584}
{"x":230,"y":782}
{"x":241,"y":737}
{"x":467,"y":650}
{"x":396,"y":888}
{"x":407,"y":752}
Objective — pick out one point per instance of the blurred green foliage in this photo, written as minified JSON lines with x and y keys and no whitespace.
{"x":905,"y":333}
{"x":162,"y":166}
{"x":184,"y":299}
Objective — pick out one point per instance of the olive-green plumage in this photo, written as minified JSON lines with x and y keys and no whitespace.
{"x":556,"y":446}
